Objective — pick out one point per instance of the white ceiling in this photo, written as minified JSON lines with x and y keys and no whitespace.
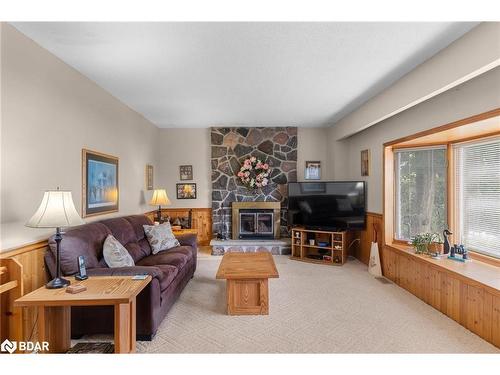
{"x":252,"y":74}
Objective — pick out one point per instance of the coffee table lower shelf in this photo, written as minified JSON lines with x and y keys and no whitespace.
{"x":247,"y":297}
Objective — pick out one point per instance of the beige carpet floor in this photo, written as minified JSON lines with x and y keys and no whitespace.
{"x":313,"y":309}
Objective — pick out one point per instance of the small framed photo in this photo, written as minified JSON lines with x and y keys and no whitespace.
{"x":186,"y":172}
{"x":149,"y":177}
{"x":313,"y":170}
{"x":186,"y":191}
{"x":365,"y":163}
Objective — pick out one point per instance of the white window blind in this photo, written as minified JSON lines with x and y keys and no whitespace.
{"x":420,"y":191}
{"x":477,"y":195}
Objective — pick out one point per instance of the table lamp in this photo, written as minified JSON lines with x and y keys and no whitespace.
{"x":56,"y":211}
{"x":159,"y":199}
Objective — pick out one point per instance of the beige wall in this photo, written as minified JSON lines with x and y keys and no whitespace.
{"x":476,"y":96}
{"x":192,"y":146}
{"x":49,"y":113}
{"x":312,"y":146}
{"x":185,"y":147}
{"x":1,"y":126}
{"x":475,"y":53}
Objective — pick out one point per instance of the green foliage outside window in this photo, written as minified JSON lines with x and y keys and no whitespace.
{"x":421,"y":192}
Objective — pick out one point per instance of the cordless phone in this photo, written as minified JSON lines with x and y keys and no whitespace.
{"x":82,"y":271}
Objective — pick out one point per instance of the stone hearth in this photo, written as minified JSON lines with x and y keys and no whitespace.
{"x":275,"y":247}
{"x":229,"y":147}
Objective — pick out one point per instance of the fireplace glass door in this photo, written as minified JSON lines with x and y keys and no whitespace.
{"x":265,"y":223}
{"x":256,"y":224}
{"x":247,"y":223}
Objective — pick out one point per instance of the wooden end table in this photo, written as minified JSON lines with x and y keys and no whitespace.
{"x":54,"y":309}
{"x":247,"y":275}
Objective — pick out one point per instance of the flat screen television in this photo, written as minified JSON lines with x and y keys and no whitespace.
{"x":335,"y":205}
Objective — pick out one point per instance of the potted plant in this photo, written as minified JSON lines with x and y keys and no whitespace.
{"x":427,"y":243}
{"x":419,"y":244}
{"x":436,"y":246}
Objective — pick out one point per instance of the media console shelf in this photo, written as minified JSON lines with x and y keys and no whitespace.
{"x":317,"y":246}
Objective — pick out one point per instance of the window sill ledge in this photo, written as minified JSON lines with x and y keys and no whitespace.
{"x":476,"y":271}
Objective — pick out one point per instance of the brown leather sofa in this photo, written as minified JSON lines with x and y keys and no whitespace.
{"x":170,"y":270}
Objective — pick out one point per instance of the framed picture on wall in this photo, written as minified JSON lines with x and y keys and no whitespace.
{"x":186,"y":172}
{"x":149,"y":177}
{"x":100,"y":188}
{"x":365,"y":163}
{"x":313,"y":170}
{"x":186,"y":191}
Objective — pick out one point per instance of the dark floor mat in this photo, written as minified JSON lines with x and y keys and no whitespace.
{"x":92,"y":348}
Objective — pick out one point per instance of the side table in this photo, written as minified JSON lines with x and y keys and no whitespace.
{"x":54,"y":309}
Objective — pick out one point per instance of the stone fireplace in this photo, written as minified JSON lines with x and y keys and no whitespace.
{"x":255,"y":220}
{"x":276,"y":146}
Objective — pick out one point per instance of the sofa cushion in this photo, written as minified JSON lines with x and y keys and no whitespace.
{"x":86,"y":240}
{"x":128,"y":230}
{"x":121,"y":229}
{"x":160,"y":237}
{"x":115,"y":254}
{"x":143,"y":249}
{"x":135,"y":251}
{"x":186,"y":250}
{"x":169,"y":273}
{"x":177,"y":257}
{"x":137,"y":221}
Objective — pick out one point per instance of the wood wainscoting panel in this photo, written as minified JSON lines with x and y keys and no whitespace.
{"x":470,"y":303}
{"x":201,"y":220}
{"x":11,"y":288}
{"x":374,"y":232}
{"x":495,"y":321}
{"x":31,"y":258}
{"x":450,"y":296}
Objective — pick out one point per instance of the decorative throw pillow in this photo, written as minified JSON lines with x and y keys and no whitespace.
{"x":115,"y":255}
{"x":160,"y":237}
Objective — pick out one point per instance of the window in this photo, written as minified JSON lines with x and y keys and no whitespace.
{"x":420,"y":191}
{"x":477,"y":195}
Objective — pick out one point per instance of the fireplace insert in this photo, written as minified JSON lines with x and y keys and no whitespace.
{"x":256,"y":223}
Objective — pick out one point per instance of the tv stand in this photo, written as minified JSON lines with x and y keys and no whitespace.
{"x":326,"y":248}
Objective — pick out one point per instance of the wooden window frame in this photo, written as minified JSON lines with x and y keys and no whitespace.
{"x":445,"y":135}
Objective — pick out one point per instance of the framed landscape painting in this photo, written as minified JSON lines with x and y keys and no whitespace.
{"x":186,"y":191}
{"x":99,"y":183}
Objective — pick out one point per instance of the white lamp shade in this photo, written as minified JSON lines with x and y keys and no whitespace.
{"x":56,"y":210}
{"x":160,"y":198}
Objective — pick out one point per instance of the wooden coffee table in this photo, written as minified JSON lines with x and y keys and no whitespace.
{"x":54,"y":309}
{"x":246,"y":277}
